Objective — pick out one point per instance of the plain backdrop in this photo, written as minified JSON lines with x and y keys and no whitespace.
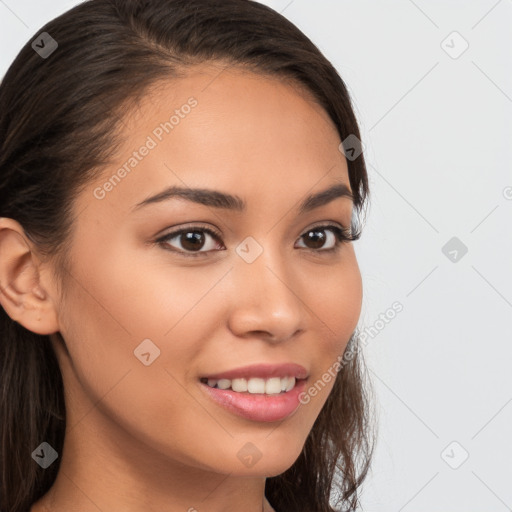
{"x":431,"y":84}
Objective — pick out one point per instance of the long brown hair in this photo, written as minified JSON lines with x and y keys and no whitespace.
{"x":60,"y":118}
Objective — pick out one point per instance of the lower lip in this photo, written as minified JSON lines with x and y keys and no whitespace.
{"x":258,"y":406}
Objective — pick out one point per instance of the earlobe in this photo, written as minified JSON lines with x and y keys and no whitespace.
{"x":22,"y":295}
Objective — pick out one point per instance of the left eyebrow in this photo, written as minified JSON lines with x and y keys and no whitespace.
{"x":223,"y":200}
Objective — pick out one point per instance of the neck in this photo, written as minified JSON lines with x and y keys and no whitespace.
{"x":119,"y":474}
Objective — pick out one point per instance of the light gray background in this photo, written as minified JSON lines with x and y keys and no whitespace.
{"x":437,"y":132}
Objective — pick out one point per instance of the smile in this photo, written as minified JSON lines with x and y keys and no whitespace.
{"x":254,"y":385}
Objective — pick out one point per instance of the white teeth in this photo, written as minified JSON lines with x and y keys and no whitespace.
{"x":291,"y":383}
{"x":223,"y":383}
{"x":239,"y":385}
{"x":271,"y":386}
{"x":256,"y":385}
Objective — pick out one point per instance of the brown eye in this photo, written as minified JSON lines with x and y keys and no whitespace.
{"x":316,"y":238}
{"x":191,"y":241}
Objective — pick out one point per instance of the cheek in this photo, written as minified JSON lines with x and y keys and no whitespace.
{"x":336,"y":302}
{"x":137,"y":293}
{"x":336,"y":308}
{"x":105,"y":324}
{"x":115,"y":303}
{"x":346,"y":312}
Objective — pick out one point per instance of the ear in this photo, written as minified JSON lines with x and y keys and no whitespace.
{"x":22,"y":295}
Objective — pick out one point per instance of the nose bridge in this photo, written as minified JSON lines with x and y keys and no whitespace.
{"x":265,"y":298}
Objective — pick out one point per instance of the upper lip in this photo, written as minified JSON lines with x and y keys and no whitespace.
{"x":263,"y":371}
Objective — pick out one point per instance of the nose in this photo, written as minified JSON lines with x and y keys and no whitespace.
{"x":265,"y":302}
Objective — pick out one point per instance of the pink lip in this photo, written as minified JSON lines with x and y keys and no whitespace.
{"x":263,"y":371}
{"x":258,"y":406}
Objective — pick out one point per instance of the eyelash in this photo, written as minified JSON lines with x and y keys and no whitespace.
{"x":343,"y":235}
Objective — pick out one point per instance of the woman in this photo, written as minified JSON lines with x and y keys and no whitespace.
{"x":179,"y":290}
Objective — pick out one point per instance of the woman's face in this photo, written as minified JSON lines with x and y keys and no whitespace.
{"x":143,"y":320}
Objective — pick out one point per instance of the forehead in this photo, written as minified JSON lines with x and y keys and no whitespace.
{"x":226,"y":128}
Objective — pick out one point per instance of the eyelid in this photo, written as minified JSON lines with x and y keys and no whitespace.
{"x":188,"y":227}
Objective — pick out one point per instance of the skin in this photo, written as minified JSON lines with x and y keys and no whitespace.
{"x":147,"y":437}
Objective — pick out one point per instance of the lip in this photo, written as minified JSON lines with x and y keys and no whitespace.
{"x":258,"y":406}
{"x":263,"y":371}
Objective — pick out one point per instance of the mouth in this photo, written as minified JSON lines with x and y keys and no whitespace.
{"x":255,"y":398}
{"x":254,"y":385}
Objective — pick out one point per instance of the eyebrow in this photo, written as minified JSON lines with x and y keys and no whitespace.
{"x":222,"y":200}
